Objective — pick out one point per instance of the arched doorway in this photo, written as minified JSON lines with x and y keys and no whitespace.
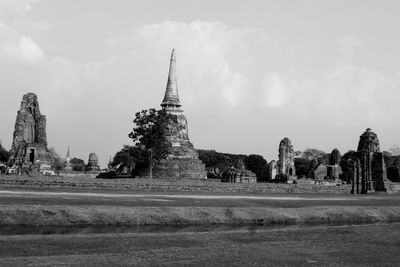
{"x":32,"y":155}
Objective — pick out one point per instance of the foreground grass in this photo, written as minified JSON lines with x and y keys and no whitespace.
{"x":372,"y":245}
{"x":37,"y":215}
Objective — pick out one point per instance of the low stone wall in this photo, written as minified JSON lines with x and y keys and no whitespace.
{"x":76,"y":174}
{"x":165,"y":185}
{"x":178,"y":168}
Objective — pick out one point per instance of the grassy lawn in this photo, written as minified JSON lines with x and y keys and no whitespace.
{"x":132,"y":209}
{"x":371,"y":245}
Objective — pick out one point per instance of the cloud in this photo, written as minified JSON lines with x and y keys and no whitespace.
{"x":234,"y":88}
{"x":18,"y":7}
{"x":221,"y":68}
{"x":14,"y":45}
{"x":210,"y":56}
{"x":24,"y":50}
{"x":273,"y":91}
{"x":343,"y":93}
{"x":348,"y":44}
{"x":216,"y":65}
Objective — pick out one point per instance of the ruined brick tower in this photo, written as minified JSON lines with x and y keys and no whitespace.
{"x":369,"y":165}
{"x":30,"y":140}
{"x":333,"y":168}
{"x":182,"y":160}
{"x":284,"y":169}
{"x":286,"y":159}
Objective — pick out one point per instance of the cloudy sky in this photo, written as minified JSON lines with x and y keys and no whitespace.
{"x":249,"y":72}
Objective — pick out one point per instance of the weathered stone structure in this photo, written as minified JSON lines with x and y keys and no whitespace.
{"x":335,"y":157}
{"x":235,"y":175}
{"x":182,"y":160}
{"x":93,"y":163}
{"x":286,"y":159}
{"x":321,"y":173}
{"x":239,"y":174}
{"x":368,"y":165}
{"x":333,"y":168}
{"x":283,"y":170}
{"x":29,"y":144}
{"x":273,"y":170}
{"x":213,"y":173}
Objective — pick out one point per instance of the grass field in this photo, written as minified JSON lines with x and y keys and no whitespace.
{"x":54,"y":223}
{"x":371,"y":245}
{"x":132,"y":209}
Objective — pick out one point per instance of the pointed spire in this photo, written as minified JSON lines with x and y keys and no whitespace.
{"x":171,"y":98}
{"x":68,"y":156}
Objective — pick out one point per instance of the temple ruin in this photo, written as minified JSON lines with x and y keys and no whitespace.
{"x":29,"y":144}
{"x":93,"y":163}
{"x":238,"y":174}
{"x":182,"y":160}
{"x":334,"y":169}
{"x":283,"y":170}
{"x":368,"y":165}
{"x":330,"y":170}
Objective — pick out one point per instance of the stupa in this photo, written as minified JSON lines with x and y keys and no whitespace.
{"x":182,"y":160}
{"x":67,"y":163}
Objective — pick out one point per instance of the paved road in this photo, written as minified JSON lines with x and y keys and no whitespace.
{"x":8,"y":197}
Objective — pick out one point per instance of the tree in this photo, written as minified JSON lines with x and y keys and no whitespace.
{"x":313,"y":153}
{"x":304,"y":167}
{"x":395,"y":150}
{"x":212,"y":158}
{"x":222,"y":161}
{"x":57,"y":162}
{"x":347,"y":166}
{"x":132,"y":157}
{"x":124,"y":157}
{"x":392,"y":162}
{"x":149,"y":133}
{"x":259,"y":166}
{"x":77,"y":164}
{"x":4,"y":155}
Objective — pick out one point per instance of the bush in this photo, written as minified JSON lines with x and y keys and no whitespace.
{"x":107,"y":175}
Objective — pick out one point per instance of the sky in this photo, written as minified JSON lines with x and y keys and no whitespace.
{"x":249,"y":72}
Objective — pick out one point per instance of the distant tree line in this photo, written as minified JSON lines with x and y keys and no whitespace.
{"x":137,"y":159}
{"x":223,"y":161}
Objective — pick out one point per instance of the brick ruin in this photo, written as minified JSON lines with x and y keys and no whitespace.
{"x":369,"y":171}
{"x":283,"y":170}
{"x":93,"y":163}
{"x":238,"y":174}
{"x":332,"y":170}
{"x":29,"y":146}
{"x":182,"y":160}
